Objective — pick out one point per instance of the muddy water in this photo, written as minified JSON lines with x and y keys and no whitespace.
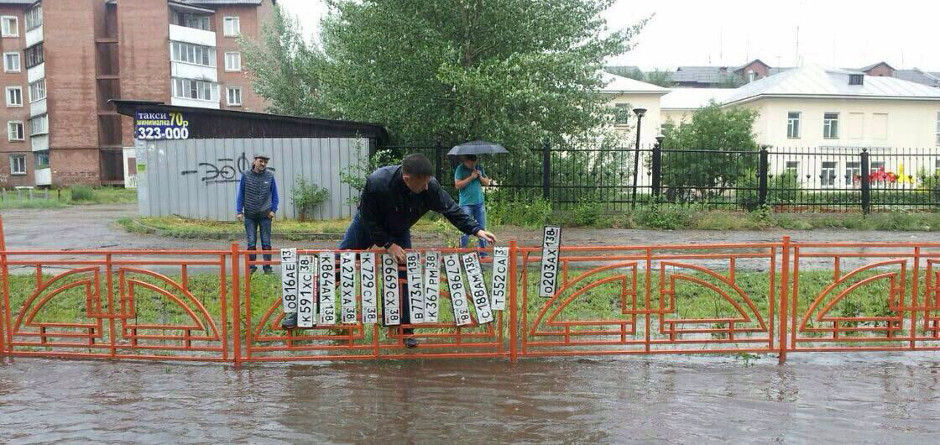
{"x":862,"y":399}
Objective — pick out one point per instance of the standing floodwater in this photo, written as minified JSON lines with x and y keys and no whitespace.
{"x":859,"y":399}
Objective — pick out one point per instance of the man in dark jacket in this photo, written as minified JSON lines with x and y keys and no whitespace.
{"x":256,"y":203}
{"x":394,"y":199}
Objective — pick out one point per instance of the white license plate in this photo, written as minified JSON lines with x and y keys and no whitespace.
{"x":458,"y":296}
{"x":327,"y":278}
{"x":551,"y":243}
{"x":500,"y":277}
{"x":347,"y":286}
{"x":415,"y":294}
{"x":367,"y":280}
{"x":477,"y":286}
{"x":390,"y":303}
{"x":306,"y":296}
{"x":432,"y":286}
{"x":289,"y":280}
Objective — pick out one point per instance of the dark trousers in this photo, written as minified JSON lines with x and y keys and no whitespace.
{"x":358,"y":238}
{"x":252,"y":227}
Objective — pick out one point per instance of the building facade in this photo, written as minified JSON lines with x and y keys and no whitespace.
{"x":64,"y":60}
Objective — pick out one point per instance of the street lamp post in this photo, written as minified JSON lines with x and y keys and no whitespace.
{"x":636,"y":158}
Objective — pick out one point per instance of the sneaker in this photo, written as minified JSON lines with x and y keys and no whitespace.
{"x":290,"y":321}
{"x":410,"y":342}
{"x":268,"y":271}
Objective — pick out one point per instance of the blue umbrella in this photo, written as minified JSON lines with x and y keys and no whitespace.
{"x":477,"y":148}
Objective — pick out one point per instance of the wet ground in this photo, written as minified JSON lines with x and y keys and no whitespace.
{"x":845,"y":398}
{"x":93,"y":227}
{"x":815,"y":398}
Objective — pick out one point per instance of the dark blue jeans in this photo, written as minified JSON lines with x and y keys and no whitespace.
{"x":252,"y":226}
{"x":357,"y":238}
{"x":477,"y":212}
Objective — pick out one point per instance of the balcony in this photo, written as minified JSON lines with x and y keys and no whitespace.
{"x":185,"y":70}
{"x":35,"y":73}
{"x":192,"y":35}
{"x":39,"y":142}
{"x":198,"y":103}
{"x":43,"y":176}
{"x":33,"y":36}
{"x":38,"y":107}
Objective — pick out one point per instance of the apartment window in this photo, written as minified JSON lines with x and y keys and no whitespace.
{"x":11,"y":62}
{"x":194,"y":21}
{"x":9,"y":26}
{"x":15,"y":131}
{"x":39,"y":125}
{"x":793,"y":124}
{"x":233,"y":61}
{"x":853,"y":172}
{"x":875,"y":166}
{"x":33,"y":18}
{"x":34,"y":55}
{"x":194,"y":89}
{"x":856,"y":79}
{"x":235,"y":96}
{"x":41,"y":159}
{"x":828,"y":176}
{"x":831,"y":125}
{"x":232,"y":27}
{"x":14,"y":96}
{"x":18,"y":164}
{"x":792,"y":168}
{"x":195,"y":54}
{"x":37,"y":90}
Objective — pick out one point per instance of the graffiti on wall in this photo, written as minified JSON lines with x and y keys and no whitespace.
{"x":223,"y":170}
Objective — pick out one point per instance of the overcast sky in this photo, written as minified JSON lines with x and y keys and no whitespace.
{"x":836,"y":33}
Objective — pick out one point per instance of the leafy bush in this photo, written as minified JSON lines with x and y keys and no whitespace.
{"x":587,"y":213}
{"x":530,"y":214}
{"x":82,"y":193}
{"x":663,"y":216}
{"x":306,"y":196}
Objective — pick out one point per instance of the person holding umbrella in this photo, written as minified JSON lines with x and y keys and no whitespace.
{"x":470,"y":178}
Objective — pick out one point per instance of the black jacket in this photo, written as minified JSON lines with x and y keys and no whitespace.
{"x":387,"y":206}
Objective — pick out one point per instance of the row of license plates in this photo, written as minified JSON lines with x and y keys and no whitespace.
{"x":308,"y":284}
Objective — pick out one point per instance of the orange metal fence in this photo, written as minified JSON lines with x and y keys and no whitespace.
{"x":205,"y":305}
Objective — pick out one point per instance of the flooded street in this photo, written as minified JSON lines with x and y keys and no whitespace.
{"x":814,"y":398}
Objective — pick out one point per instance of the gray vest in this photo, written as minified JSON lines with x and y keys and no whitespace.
{"x":257,"y":199}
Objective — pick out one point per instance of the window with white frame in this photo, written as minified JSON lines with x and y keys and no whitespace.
{"x":235,"y":96}
{"x":39,"y":125}
{"x":875,"y":166}
{"x":37,"y":90}
{"x":9,"y":26}
{"x":194,"y":54}
{"x":195,"y":21}
{"x":231,"y":26}
{"x":853,"y":172}
{"x":11,"y":62}
{"x":792,"y":168}
{"x":34,"y":55}
{"x":14,"y":96}
{"x":793,"y":124}
{"x":17,"y":164}
{"x":233,"y":61}
{"x":15,"y":131}
{"x":195,"y":89}
{"x":33,"y":18}
{"x":41,"y":159}
{"x":828,"y":174}
{"x":831,"y":125}
{"x":621,"y":114}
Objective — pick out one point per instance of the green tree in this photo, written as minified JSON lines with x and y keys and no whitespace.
{"x":691,"y":175}
{"x":513,"y":71}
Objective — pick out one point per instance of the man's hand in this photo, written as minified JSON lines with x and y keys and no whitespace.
{"x":396,"y":251}
{"x":240,"y":216}
{"x":475,"y":174}
{"x":271,"y":215}
{"x":486,"y":236}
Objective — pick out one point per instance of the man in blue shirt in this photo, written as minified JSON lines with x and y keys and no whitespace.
{"x":256,"y":203}
{"x":469,"y":178}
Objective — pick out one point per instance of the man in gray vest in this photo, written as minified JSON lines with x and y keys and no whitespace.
{"x":256,"y":203}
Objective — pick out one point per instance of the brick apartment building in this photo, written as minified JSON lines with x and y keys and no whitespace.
{"x":63,"y":60}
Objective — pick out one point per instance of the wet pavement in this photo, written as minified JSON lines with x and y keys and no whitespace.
{"x":839,"y":398}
